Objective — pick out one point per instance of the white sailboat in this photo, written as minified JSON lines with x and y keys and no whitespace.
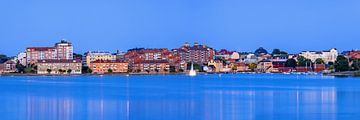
{"x":192,"y":71}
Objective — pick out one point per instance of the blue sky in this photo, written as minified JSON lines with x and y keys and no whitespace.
{"x":243,"y":25}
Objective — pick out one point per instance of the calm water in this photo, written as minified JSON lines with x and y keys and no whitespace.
{"x":180,"y":97}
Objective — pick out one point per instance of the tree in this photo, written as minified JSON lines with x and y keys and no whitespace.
{"x":355,"y":64}
{"x":260,"y":51}
{"x":302,"y":61}
{"x":252,"y":66}
{"x":3,"y":58}
{"x":69,"y":71}
{"x":48,"y":70}
{"x":276,"y":52}
{"x":172,"y":69}
{"x":290,"y":63}
{"x":110,"y":70}
{"x":319,"y":61}
{"x":341,"y":64}
{"x":60,"y":71}
{"x":20,"y":68}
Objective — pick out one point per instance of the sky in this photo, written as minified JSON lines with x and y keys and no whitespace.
{"x":241,"y":25}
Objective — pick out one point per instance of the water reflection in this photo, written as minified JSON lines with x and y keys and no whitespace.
{"x":168,"y":101}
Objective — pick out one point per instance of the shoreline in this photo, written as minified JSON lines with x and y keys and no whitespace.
{"x":336,"y":74}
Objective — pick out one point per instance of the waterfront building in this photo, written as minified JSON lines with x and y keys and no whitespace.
{"x":198,"y":54}
{"x":327,"y":56}
{"x":355,"y":54}
{"x":242,"y":67}
{"x":152,"y":66}
{"x":120,"y":55}
{"x":21,"y":58}
{"x":64,"y":50}
{"x":265,"y":66}
{"x":215,"y":66}
{"x":106,"y":66}
{"x":8,"y":67}
{"x":61,"y":51}
{"x":139,"y":57}
{"x":92,"y":56}
{"x":33,"y":54}
{"x":227,"y":55}
{"x":59,"y":66}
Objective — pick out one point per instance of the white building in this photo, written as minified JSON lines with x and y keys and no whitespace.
{"x":21,"y":58}
{"x":64,"y":50}
{"x":327,"y":56}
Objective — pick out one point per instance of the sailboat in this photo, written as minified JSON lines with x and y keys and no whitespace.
{"x":192,"y":71}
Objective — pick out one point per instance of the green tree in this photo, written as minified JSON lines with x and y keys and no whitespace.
{"x":302,"y":61}
{"x":276,"y":52}
{"x":60,"y":71}
{"x":48,"y":70}
{"x":20,"y":68}
{"x":69,"y":71}
{"x":290,"y":63}
{"x":3,"y":58}
{"x":341,"y":64}
{"x":319,"y":61}
{"x":252,"y":66}
{"x":110,"y":70}
{"x":172,"y":69}
{"x":355,"y":64}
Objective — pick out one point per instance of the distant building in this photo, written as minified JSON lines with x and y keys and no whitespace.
{"x":141,"y":59}
{"x":199,"y":54}
{"x":33,"y":54}
{"x":354,"y":54}
{"x":96,"y":55}
{"x":327,"y":56}
{"x":215,"y":66}
{"x":103,"y":66}
{"x":64,"y":50}
{"x":265,"y":66}
{"x":21,"y":58}
{"x":227,"y":55}
{"x":59,"y":67}
{"x":8,"y":67}
{"x":61,"y":51}
{"x":152,"y":66}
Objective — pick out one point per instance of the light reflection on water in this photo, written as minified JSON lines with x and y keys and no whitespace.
{"x":231,"y":97}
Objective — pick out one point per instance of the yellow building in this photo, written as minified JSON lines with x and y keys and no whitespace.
{"x":94,"y":56}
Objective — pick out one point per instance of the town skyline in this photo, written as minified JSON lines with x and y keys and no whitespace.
{"x":232,"y":24}
{"x":77,"y":47}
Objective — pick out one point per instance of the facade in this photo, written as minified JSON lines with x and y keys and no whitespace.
{"x":59,"y":67}
{"x":141,"y":59}
{"x":8,"y":67}
{"x":354,"y":54}
{"x":216,"y":65}
{"x":103,"y":66}
{"x":199,"y":54}
{"x":21,"y":58}
{"x":152,"y":66}
{"x":64,"y":50}
{"x":33,"y":54}
{"x":61,"y":51}
{"x":95,"y":56}
{"x":327,"y":56}
{"x":265,"y":66}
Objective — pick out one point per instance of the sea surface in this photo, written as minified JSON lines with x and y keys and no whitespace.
{"x":180,"y":97}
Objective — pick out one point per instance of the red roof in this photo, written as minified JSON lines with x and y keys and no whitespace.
{"x":59,"y":61}
{"x":109,"y":61}
{"x":41,"y":48}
